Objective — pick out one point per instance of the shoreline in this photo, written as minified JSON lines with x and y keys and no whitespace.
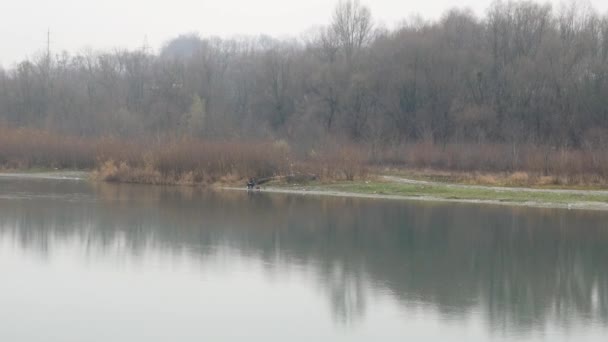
{"x":399,"y":189}
{"x":49,"y":175}
{"x":593,"y":206}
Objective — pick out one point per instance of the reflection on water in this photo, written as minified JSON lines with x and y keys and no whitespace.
{"x":515,"y":271}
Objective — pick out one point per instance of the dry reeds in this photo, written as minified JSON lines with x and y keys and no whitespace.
{"x":526,"y":164}
{"x":26,"y":148}
{"x":191,"y":161}
{"x":174,"y":160}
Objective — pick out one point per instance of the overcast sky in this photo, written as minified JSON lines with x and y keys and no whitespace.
{"x":104,"y":24}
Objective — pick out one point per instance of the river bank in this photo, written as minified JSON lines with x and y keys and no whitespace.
{"x":397,"y":188}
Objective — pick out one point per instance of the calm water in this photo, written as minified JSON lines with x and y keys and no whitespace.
{"x":100,"y":262}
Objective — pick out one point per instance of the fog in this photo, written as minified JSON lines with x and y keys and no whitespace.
{"x":77,"y":25}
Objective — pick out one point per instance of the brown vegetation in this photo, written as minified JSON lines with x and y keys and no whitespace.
{"x":191,"y":161}
{"x":496,"y":164}
{"x":499,"y":157}
{"x":27,"y":148}
{"x":173,"y":160}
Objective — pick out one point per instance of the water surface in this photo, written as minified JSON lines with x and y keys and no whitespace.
{"x":101,"y":262}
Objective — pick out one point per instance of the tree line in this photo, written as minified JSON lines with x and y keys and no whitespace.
{"x":524,"y":73}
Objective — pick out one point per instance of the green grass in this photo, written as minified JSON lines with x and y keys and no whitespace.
{"x":500,"y":180}
{"x":447,"y":192}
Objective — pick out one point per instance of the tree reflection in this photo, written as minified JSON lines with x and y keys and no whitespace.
{"x":522,"y":268}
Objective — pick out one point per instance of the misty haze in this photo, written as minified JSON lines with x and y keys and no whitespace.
{"x":343,"y":170}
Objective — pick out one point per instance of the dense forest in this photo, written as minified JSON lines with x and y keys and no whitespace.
{"x":524,"y":74}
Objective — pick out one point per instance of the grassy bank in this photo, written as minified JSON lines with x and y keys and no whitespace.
{"x":381,"y":188}
{"x":518,"y":179}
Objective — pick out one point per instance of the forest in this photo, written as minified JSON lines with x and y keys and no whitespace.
{"x":523,"y":87}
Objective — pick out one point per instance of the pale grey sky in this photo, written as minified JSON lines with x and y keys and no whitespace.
{"x":104,"y":24}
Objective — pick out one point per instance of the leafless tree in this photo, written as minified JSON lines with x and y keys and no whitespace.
{"x":525,"y":73}
{"x":352,"y":25}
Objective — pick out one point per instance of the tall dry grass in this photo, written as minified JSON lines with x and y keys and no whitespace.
{"x":337,"y":161}
{"x":174,"y":160}
{"x":26,"y":148}
{"x":192,"y":161}
{"x":553,"y":165}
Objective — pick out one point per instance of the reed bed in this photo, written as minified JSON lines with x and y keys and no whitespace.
{"x":190,"y":161}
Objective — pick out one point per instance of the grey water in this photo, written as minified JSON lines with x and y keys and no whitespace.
{"x":83,"y":261}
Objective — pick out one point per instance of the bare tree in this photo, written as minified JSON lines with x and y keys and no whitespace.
{"x":352,"y":25}
{"x":522,"y":74}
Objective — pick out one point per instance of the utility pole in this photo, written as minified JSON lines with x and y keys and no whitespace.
{"x":145,"y":47}
{"x":48,"y":52}
{"x":48,"y":43}
{"x":48,"y":68}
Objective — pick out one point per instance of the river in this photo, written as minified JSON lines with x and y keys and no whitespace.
{"x":84,"y":261}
